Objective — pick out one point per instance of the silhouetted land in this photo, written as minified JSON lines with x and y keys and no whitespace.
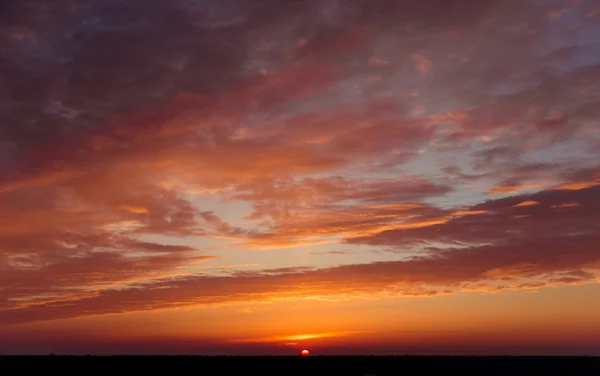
{"x":314,"y":365}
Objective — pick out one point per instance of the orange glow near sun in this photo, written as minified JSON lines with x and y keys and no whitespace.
{"x":305,"y":353}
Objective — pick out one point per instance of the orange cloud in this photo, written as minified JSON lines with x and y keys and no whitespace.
{"x":500,"y":190}
{"x":574,"y":186}
{"x":567,"y":205}
{"x":134,"y":209}
{"x":477,"y":252}
{"x":468,"y":212}
{"x":295,"y":337}
{"x":526,"y":203}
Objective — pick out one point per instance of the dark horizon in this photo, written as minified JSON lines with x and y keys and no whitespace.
{"x":324,"y":365}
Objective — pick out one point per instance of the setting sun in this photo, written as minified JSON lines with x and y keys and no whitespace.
{"x":305,"y":353}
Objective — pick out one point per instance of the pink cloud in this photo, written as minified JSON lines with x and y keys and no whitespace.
{"x":423,"y":65}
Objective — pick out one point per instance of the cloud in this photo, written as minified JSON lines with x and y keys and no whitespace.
{"x":497,"y":225}
{"x":526,"y":203}
{"x":336,"y":190}
{"x":384,"y":123}
{"x":312,"y":211}
{"x":296,"y":337}
{"x":331,"y":253}
{"x":423,"y":65}
{"x":513,"y":188}
{"x":488,"y":251}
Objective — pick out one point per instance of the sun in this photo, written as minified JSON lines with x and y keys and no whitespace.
{"x":305,"y":353}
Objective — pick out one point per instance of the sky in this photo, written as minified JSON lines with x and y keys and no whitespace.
{"x":263,"y":176}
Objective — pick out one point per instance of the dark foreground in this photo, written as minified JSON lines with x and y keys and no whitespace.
{"x":313,"y":366}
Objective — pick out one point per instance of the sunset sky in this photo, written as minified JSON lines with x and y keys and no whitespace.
{"x":263,"y":176}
